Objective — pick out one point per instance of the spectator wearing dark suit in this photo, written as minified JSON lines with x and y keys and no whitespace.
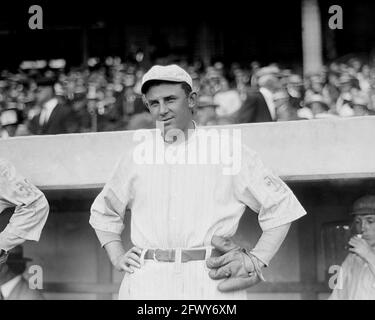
{"x":259,"y":105}
{"x":13,"y":286}
{"x":55,"y":116}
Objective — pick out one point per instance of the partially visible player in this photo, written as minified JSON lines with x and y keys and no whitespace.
{"x":31,"y":209}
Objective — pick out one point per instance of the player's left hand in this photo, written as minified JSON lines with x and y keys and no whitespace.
{"x":360,"y":247}
{"x":239,"y":268}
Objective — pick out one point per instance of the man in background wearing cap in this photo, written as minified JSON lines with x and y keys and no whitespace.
{"x":181,"y":209}
{"x":13,"y":286}
{"x":55,"y":117}
{"x":356,"y":279}
{"x":31,"y":209}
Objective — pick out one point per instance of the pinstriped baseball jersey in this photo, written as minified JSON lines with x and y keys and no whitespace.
{"x":31,"y":207}
{"x":182,"y":203}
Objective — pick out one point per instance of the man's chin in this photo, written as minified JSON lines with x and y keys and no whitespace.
{"x":166,"y":125}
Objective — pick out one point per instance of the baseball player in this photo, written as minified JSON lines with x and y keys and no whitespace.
{"x":356,"y":279}
{"x":183,"y":213}
{"x":31,"y":209}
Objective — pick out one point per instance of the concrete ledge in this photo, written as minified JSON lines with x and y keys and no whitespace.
{"x":305,"y":150}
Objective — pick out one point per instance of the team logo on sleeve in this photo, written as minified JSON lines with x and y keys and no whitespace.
{"x":274,"y":184}
{"x":19,"y":186}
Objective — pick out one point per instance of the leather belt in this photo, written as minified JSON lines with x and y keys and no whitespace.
{"x":169,"y":255}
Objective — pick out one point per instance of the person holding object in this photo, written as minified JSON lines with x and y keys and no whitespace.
{"x":356,"y":279}
{"x":31,"y":209}
{"x":183,"y":210}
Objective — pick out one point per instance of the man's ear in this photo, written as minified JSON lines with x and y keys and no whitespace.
{"x":192,"y":100}
{"x":145,"y":101}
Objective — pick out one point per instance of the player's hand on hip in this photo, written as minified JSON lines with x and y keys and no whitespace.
{"x":239,"y":268}
{"x":129,"y":260}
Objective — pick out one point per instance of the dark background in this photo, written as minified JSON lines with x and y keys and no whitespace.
{"x":242,"y":31}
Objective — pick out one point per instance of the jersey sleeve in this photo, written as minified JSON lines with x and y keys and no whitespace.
{"x":31,"y":207}
{"x":258,"y":187}
{"x":108,"y":209}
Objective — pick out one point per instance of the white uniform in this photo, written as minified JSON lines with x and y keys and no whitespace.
{"x":31,"y":208}
{"x":356,"y":280}
{"x":182,"y":206}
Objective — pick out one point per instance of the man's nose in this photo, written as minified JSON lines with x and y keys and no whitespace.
{"x":363,"y":226}
{"x":163,"y":108}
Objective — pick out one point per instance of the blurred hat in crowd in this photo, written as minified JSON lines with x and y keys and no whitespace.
{"x":360,"y":99}
{"x":10,"y":116}
{"x":45,"y":81}
{"x":345,"y":79}
{"x":16,"y":255}
{"x":286,"y":73}
{"x":266,"y":74}
{"x":317,"y":78}
{"x":316,"y":98}
{"x":171,"y":73}
{"x":18,"y":78}
{"x":269,"y":70}
{"x":295,"y":79}
{"x":206,"y":101}
{"x":364,"y":205}
{"x":212,"y":73}
{"x":194,"y":75}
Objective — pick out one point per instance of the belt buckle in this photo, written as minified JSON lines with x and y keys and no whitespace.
{"x":170,"y":257}
{"x":154,"y":256}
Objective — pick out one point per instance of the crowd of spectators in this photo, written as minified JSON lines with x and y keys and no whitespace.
{"x":107,"y":97}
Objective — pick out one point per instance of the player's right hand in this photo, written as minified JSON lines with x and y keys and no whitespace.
{"x":130,"y":259}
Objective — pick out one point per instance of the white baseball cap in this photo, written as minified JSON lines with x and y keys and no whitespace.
{"x":172,"y":73}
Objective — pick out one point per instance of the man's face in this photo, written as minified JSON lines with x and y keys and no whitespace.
{"x":169,"y":104}
{"x":44,"y":93}
{"x":365,"y":225}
